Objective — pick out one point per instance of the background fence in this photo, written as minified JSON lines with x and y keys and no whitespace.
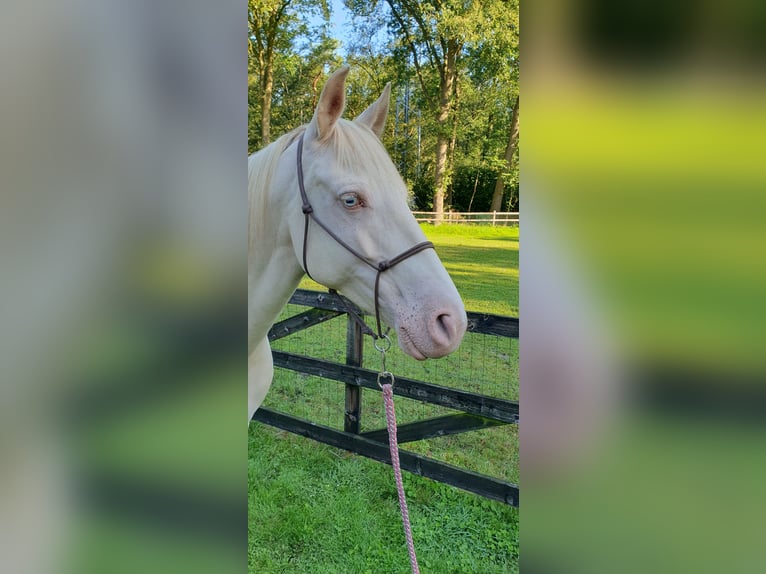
{"x":478,"y":218}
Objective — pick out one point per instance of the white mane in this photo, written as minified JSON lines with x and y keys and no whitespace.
{"x":260,"y":170}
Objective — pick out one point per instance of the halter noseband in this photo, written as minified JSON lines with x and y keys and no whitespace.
{"x":380,"y":267}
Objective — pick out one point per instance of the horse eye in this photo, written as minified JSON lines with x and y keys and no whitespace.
{"x":350,"y":200}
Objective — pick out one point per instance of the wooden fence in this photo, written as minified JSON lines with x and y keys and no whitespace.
{"x":477,"y":411}
{"x":477,"y":218}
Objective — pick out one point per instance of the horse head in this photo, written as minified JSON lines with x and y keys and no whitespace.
{"x":354,"y":189}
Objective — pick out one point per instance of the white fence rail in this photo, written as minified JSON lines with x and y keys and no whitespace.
{"x":478,"y":218}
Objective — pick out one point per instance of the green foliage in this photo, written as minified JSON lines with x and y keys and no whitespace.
{"x":303,"y":54}
{"x":404,"y":43}
{"x":423,"y":193}
{"x":484,"y":35}
{"x":472,"y":188}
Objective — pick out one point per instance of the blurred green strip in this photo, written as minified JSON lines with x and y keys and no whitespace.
{"x":663,"y":197}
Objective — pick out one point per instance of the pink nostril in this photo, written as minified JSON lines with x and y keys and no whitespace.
{"x":443,"y":329}
{"x":445,"y":322}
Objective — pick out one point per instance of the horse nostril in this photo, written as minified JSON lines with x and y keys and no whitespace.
{"x":444,"y":322}
{"x":444,"y":328}
{"x":442,"y":334}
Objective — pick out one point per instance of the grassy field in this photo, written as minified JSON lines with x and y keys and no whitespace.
{"x":484,"y":264}
{"x":313,"y":508}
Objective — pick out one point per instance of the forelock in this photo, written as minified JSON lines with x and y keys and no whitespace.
{"x":356,"y":147}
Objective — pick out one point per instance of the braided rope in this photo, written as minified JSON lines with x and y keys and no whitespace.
{"x":388,"y":400}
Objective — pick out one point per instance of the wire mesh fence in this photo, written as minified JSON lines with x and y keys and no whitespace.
{"x":483,"y":364}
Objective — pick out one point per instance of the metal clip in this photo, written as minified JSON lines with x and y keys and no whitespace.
{"x":385,"y":375}
{"x":382,"y":348}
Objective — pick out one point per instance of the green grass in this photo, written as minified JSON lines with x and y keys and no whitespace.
{"x":313,"y":508}
{"x":483,"y":262}
{"x":320,"y":510}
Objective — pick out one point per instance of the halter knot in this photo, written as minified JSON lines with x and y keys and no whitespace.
{"x":383,"y":265}
{"x":307,"y":209}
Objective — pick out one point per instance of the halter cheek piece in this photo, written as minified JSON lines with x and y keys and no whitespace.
{"x":380,"y":267}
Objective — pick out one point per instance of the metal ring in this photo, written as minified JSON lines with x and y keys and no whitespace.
{"x":385,"y":375}
{"x":382,"y":348}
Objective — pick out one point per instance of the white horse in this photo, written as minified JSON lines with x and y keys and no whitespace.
{"x":356,"y":191}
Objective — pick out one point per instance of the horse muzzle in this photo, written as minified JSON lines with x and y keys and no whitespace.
{"x":439,"y":335}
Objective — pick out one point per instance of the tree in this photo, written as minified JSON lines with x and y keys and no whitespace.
{"x":435,"y":39}
{"x":265,"y":22}
{"x":510,"y":150}
{"x":430,"y":32}
{"x":274,"y":27}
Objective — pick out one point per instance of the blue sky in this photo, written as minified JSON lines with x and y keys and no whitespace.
{"x":340,"y":26}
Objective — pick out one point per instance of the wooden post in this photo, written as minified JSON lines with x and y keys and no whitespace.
{"x":354,"y":350}
{"x":494,"y":216}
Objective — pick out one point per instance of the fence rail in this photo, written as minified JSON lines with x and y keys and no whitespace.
{"x":478,"y":218}
{"x":475,"y":411}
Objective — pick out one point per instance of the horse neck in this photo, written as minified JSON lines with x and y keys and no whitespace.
{"x":272,"y":278}
{"x":273,"y":268}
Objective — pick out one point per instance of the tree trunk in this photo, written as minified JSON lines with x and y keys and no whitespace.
{"x":510,"y":149}
{"x":452,"y":141}
{"x":441,"y":176}
{"x":266,"y":24}
{"x":268,"y":88}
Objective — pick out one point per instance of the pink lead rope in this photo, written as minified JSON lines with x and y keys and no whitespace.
{"x":388,"y":400}
{"x":393,"y":445}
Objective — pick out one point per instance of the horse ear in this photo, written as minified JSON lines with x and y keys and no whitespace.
{"x":374,"y":117}
{"x":331,"y":104}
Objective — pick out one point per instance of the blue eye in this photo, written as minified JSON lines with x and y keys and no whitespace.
{"x":350,"y":200}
